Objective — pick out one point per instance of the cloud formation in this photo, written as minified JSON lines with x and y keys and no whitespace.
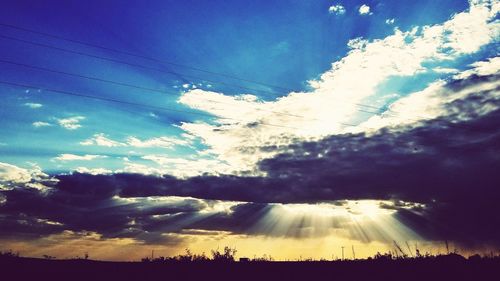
{"x":337,"y":9}
{"x":71,"y":123}
{"x":439,"y":179}
{"x":236,"y":142}
{"x":390,"y":21}
{"x":74,"y":157}
{"x":12,"y":177}
{"x":33,"y":105}
{"x":434,"y":167}
{"x":39,"y":124}
{"x":364,"y":9}
{"x":101,"y":139}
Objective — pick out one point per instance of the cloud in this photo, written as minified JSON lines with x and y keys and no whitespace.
{"x":73,"y":157}
{"x":433,"y":101}
{"x":390,"y":21}
{"x":162,"y":142}
{"x":12,"y":177}
{"x":481,"y":68}
{"x":435,"y":167}
{"x":333,"y":104}
{"x":412,"y":163}
{"x":364,"y":10}
{"x":71,"y":123}
{"x":39,"y":124}
{"x":448,"y":167}
{"x":137,"y":168}
{"x":84,"y":203}
{"x":101,"y":140}
{"x":33,"y":105}
{"x":429,"y":178}
{"x":337,"y":9}
{"x":445,"y":70}
{"x":165,"y":142}
{"x":183,"y":168}
{"x":74,"y":206}
{"x":93,"y":171}
{"x":11,"y":173}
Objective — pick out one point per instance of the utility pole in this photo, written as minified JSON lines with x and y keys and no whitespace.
{"x":353,"y":253}
{"x":342,"y":252}
{"x":152,"y":254}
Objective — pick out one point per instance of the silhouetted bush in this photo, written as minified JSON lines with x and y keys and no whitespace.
{"x":9,"y":254}
{"x":226,"y":256}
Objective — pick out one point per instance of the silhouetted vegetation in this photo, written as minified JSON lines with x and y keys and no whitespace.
{"x":223,"y":264}
{"x":8,"y":254}
{"x":186,"y":257}
{"x":228,"y":255}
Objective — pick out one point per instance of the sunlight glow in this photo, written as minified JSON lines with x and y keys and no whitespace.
{"x":362,"y":220}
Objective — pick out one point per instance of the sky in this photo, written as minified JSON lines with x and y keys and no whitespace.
{"x":169,"y":125}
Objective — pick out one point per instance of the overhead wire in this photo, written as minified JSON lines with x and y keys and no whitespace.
{"x":148,"y":58}
{"x":72,"y":93}
{"x":152,"y":89}
{"x":141,"y":66}
{"x":143,"y":56}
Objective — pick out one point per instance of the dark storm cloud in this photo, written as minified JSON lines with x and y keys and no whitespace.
{"x":25,"y":210}
{"x":451,"y":164}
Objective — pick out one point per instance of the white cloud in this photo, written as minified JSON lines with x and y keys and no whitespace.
{"x":71,"y":123}
{"x":101,"y":140}
{"x":364,"y":9}
{"x":445,"y":70}
{"x":357,"y":43}
{"x":165,"y":142}
{"x":390,"y":21}
{"x":488,"y":67}
{"x":13,"y":173}
{"x":136,"y":168}
{"x":337,"y":9}
{"x":431,"y":102}
{"x":39,"y":124}
{"x":74,"y":157}
{"x":93,"y":171}
{"x":331,"y":104}
{"x":12,"y":177}
{"x":181,"y":167}
{"x":469,"y":31}
{"x":33,"y":105}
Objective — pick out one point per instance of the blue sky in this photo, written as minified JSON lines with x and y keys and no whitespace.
{"x":245,"y":120}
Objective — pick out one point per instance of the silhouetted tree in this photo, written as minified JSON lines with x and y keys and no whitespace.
{"x":226,"y":256}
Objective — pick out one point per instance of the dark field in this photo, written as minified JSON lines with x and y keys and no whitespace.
{"x":449,"y":267}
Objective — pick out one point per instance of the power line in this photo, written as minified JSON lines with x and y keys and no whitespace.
{"x":157,"y":90}
{"x":125,"y":84}
{"x":123,"y":62}
{"x":139,"y":104}
{"x":249,"y":122}
{"x":143,"y":57}
{"x":152,"y":68}
{"x":139,"y":65}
